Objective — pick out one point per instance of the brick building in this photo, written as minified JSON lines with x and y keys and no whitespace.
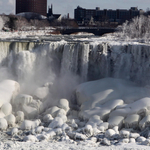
{"x":36,"y":6}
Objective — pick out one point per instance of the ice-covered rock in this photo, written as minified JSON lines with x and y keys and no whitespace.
{"x":63,"y":117}
{"x":64,"y":104}
{"x":76,"y":136}
{"x":61,"y":112}
{"x":110,"y":133}
{"x":124,"y":140}
{"x":14,"y":131}
{"x":134,"y":135}
{"x":8,"y":91}
{"x":48,"y":118}
{"x":39,"y":129}
{"x":19,"y":116}
{"x":132,"y":140}
{"x":53,"y":111}
{"x":124,"y":133}
{"x":58,"y":131}
{"x":56,"y":123}
{"x":3,"y":124}
{"x":103,"y":126}
{"x":26,"y":104}
{"x":139,"y":107}
{"x":132,"y":121}
{"x":6,"y":109}
{"x":95,"y":119}
{"x":28,"y":124}
{"x":146,"y":142}
{"x":88,"y":130}
{"x":22,"y":99}
{"x":30,"y":138}
{"x":30,"y":112}
{"x":65,"y":127}
{"x":106,"y":142}
{"x":116,"y":129}
{"x":115,"y":121}
{"x":140,"y":139}
{"x":11,"y":120}
{"x":145,"y":122}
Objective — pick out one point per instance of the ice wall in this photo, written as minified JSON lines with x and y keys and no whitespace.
{"x":90,"y":61}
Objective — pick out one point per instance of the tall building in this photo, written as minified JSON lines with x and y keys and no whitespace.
{"x":36,"y":6}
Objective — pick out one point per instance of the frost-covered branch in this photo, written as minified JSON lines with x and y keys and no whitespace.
{"x":138,"y":28}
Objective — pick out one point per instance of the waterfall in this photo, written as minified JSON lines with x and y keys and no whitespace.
{"x":90,"y":61}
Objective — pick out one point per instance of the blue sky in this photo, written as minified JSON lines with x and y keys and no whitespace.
{"x":67,"y":6}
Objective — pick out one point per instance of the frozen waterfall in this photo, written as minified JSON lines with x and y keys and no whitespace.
{"x":88,"y":60}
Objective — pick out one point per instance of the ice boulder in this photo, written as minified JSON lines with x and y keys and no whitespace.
{"x":28,"y":124}
{"x":14,"y":131}
{"x":22,"y":99}
{"x":3,"y":124}
{"x":140,"y":107}
{"x":30,"y":138}
{"x":11,"y":120}
{"x":115,"y":121}
{"x":27,"y":104}
{"x":145,"y":122}
{"x":56,"y":123}
{"x":64,"y":104}
{"x":132,"y":121}
{"x":48,"y":118}
{"x":19,"y":116}
{"x":6,"y":108}
{"x":9,"y":89}
{"x":53,"y":111}
{"x":109,"y":133}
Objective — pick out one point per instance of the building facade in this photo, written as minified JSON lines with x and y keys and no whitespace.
{"x":109,"y":15}
{"x":35,"y":6}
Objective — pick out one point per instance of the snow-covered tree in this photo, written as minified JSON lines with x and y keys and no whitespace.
{"x":138,"y":28}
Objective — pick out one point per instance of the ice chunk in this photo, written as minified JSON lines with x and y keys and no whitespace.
{"x":19,"y":116}
{"x":8,"y":91}
{"x":132,"y":121}
{"x":28,"y":124}
{"x":109,"y":133}
{"x":11,"y":120}
{"x":115,"y":121}
{"x":14,"y":131}
{"x":30,"y":138}
{"x":6,"y":108}
{"x":53,"y":111}
{"x":3,"y":124}
{"x":56,"y":123}
{"x":144,"y":122}
{"x":64,"y":104}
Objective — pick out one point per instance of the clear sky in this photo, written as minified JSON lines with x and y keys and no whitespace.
{"x":67,"y":6}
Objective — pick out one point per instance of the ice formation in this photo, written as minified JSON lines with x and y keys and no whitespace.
{"x":93,"y":91}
